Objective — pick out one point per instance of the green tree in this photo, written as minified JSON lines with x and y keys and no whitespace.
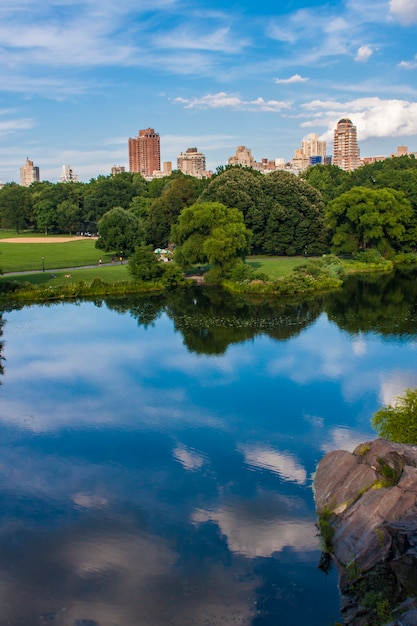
{"x":330,"y":180}
{"x":69,"y":216}
{"x":179,"y":193}
{"x":140,"y":208}
{"x":144,"y":264}
{"x":119,"y":231}
{"x":106,"y":192}
{"x":46,"y":215}
{"x":398,"y":421}
{"x":284,"y":213}
{"x":15,"y":207}
{"x":240,"y":188}
{"x":294,"y":216}
{"x":210,"y":232}
{"x":361,"y":218}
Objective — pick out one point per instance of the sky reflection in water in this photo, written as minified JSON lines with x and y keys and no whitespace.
{"x":143,"y":484}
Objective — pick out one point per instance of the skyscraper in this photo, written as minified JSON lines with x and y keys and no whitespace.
{"x":346,"y":153}
{"x":145,"y":152}
{"x":192,"y":162}
{"x":312,"y":151}
{"x":67,"y":175}
{"x":29,"y":174}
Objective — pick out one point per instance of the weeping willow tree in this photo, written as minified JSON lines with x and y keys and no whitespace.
{"x":398,"y":421}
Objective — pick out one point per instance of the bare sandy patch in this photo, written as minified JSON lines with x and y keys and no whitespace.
{"x":41,"y":239}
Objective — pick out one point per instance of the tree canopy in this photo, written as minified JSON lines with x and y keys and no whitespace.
{"x":210,"y":232}
{"x":119,"y":231}
{"x":284,"y":212}
{"x":362,"y":218}
{"x":181,"y":192}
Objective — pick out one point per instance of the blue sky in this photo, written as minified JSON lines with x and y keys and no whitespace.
{"x":77,"y":79}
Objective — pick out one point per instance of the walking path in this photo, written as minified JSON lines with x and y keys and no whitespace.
{"x":61,"y":269}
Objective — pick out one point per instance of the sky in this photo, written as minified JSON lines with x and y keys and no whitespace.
{"x":77,"y":79}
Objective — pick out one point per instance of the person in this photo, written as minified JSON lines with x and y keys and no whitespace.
{"x":100,"y":261}
{"x":121,"y":260}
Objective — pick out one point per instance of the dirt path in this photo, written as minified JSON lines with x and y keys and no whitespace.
{"x":40,"y":239}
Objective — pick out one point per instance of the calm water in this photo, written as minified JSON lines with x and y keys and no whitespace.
{"x":157,"y":458}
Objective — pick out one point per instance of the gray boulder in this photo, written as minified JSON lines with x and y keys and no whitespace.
{"x":367,"y":510}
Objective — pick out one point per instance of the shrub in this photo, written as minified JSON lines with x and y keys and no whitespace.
{"x":371,"y":255}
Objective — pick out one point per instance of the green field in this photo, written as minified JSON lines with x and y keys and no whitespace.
{"x":21,"y":257}
{"x":109,"y":274}
{"x":275,"y":266}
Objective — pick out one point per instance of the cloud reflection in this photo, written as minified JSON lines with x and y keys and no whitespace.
{"x":255,"y":536}
{"x":190,"y":459}
{"x":280,"y":463}
{"x":104,"y":571}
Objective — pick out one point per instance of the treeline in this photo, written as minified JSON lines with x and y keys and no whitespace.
{"x":325,"y":208}
{"x":74,"y":207}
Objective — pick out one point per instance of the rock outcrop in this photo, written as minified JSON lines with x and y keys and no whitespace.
{"x":367,"y":510}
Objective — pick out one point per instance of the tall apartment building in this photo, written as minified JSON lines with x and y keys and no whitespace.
{"x":29,"y":174}
{"x":192,"y":163}
{"x":346,"y":153}
{"x":117,"y":169}
{"x":243,"y":157}
{"x":312,"y":151}
{"x":67,"y":175}
{"x":145,"y":152}
{"x":403,"y":151}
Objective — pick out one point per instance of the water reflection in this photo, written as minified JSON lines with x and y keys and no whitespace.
{"x":157,"y":462}
{"x":283,"y":464}
{"x":263,"y":527}
{"x":384,"y":304}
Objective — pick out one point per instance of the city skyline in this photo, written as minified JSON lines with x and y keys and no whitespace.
{"x":78,"y":78}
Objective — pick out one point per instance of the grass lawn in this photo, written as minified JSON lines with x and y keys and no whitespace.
{"x":21,"y":257}
{"x":15,"y":257}
{"x":275,"y":266}
{"x":6,"y":233}
{"x":112,"y":273}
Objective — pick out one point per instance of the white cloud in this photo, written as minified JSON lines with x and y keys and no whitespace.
{"x":363,"y":54}
{"x":10,"y":126}
{"x":296,"y":78}
{"x":409,"y":65}
{"x":404,"y":10}
{"x":219,"y":40}
{"x":373,"y":117}
{"x":224,"y":100}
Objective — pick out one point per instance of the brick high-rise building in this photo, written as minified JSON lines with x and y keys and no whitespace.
{"x":346,"y":153}
{"x":29,"y":174}
{"x":145,"y":152}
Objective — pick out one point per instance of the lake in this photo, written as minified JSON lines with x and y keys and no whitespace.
{"x":157,"y":455}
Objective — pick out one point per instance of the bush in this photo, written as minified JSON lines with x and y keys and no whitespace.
{"x":242,"y":272}
{"x":405,"y":258}
{"x":173,"y":275}
{"x":372,"y":255}
{"x":144,"y":264}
